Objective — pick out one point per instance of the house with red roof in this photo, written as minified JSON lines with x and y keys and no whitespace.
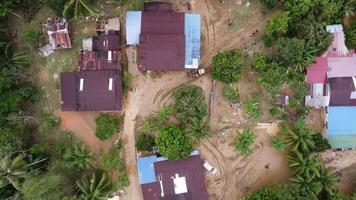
{"x":332,"y":84}
{"x":97,"y":86}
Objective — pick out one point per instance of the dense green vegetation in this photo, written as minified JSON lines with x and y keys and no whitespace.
{"x":106,"y":126}
{"x":176,"y":137}
{"x":228,"y":66}
{"x":231,"y":94}
{"x":174,"y":143}
{"x":39,"y":160}
{"x":243,"y":142}
{"x":350,"y":33}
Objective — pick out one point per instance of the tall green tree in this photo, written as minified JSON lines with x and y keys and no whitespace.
{"x":298,"y":137}
{"x":82,"y":157}
{"x":307,"y":166}
{"x":278,"y":24}
{"x":189,"y":103}
{"x":198,"y":129}
{"x":79,"y":8}
{"x":13,"y":170}
{"x":42,"y":187}
{"x":228,"y":66}
{"x":174,"y":143}
{"x":243,"y":142}
{"x":95,"y":187}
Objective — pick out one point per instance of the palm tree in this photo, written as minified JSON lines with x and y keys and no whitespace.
{"x":12,"y":59}
{"x":300,"y":139}
{"x":12,"y":170}
{"x":82,"y":157}
{"x":97,"y":187}
{"x":198,"y":129}
{"x":6,"y":9}
{"x":277,"y":144}
{"x":327,"y":179}
{"x":308,"y":186}
{"x":307,"y":166}
{"x":79,"y":8}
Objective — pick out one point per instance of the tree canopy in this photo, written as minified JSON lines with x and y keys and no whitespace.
{"x":228,"y":66}
{"x":174,"y":143}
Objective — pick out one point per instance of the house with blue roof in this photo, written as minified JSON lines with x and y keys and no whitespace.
{"x":341,"y":127}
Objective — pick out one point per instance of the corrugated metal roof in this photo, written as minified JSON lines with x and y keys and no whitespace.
{"x":340,"y":91}
{"x":146,"y":171}
{"x":341,"y":67}
{"x":316,"y":72}
{"x":342,"y":141}
{"x":133,"y":27}
{"x":341,"y":120}
{"x":192,"y":39}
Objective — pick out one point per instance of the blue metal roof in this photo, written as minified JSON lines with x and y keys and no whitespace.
{"x":133,"y":27}
{"x":192,"y":38}
{"x":146,"y":171}
{"x":341,"y":120}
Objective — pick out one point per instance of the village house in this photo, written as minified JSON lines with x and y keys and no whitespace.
{"x":97,"y":86}
{"x":332,"y":85}
{"x":167,"y":40}
{"x":172,"y":179}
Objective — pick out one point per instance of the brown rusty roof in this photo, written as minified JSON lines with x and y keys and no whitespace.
{"x":95,"y":94}
{"x":340,"y":91}
{"x":191,"y":168}
{"x":99,"y":60}
{"x":58,"y":33}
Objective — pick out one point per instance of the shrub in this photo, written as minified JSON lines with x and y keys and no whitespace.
{"x":231,"y":94}
{"x":49,"y":122}
{"x":321,"y":143}
{"x":173,"y":142}
{"x":145,"y":142}
{"x":113,"y":160}
{"x":189,"y":103}
{"x":243,"y":142}
{"x":106,"y":126}
{"x":278,"y":24}
{"x":228,"y":66}
{"x":277,"y":144}
{"x":31,"y":37}
{"x":253,"y":109}
{"x":294,"y":53}
{"x":268,"y":40}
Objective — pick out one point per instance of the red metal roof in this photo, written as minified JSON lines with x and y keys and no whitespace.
{"x":109,"y":42}
{"x":340,"y":91}
{"x":316,"y":72}
{"x":190,"y":168}
{"x":95,"y":94}
{"x":58,"y":33}
{"x":161,"y":52}
{"x":162,"y":42}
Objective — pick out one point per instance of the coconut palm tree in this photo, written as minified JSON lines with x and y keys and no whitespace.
{"x":6,"y":9}
{"x":78,"y":8}
{"x":309,"y":187}
{"x":96,"y":187}
{"x":82,"y":157}
{"x":307,"y":166}
{"x":327,"y":179}
{"x":198,"y":129}
{"x":298,"y":138}
{"x":12,"y":170}
{"x":12,"y":59}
